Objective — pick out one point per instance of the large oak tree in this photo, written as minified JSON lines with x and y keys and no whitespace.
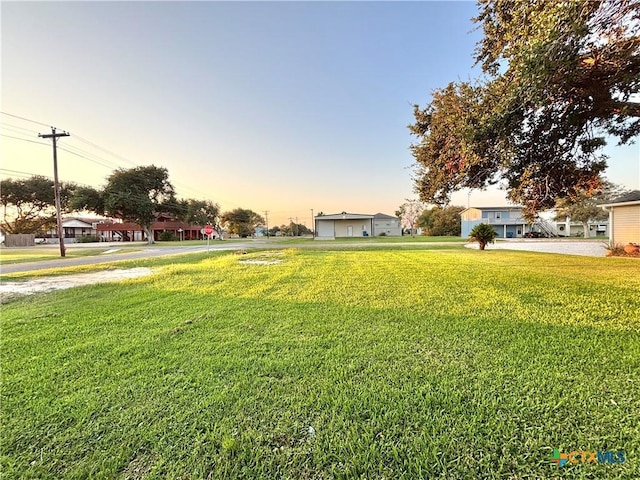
{"x":28,"y":205}
{"x":241,"y":221}
{"x":134,"y":195}
{"x":558,"y":77}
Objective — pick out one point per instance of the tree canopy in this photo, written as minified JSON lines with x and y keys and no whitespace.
{"x":199,"y":212}
{"x":28,"y":205}
{"x":441,"y":221}
{"x":134,"y":195}
{"x":137,"y":195}
{"x":408,"y":214}
{"x":241,"y":221}
{"x":558,"y":77}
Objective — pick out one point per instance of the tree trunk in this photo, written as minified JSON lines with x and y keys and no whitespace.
{"x":585,"y":226}
{"x":482,"y":245}
{"x":149,"y":233}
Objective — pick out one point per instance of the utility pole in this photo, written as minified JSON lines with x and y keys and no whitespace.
{"x":266,"y":219}
{"x":56,"y":185}
{"x":313,"y":225}
{"x":297,"y":231}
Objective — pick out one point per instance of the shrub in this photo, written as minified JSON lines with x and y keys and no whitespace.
{"x":483,"y":234}
{"x":382,"y":234}
{"x":167,"y":237}
{"x":87,"y":239}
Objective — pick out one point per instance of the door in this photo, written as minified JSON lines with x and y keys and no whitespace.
{"x":349,"y":231}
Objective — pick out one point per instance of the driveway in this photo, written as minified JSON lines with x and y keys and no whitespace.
{"x":567,"y":247}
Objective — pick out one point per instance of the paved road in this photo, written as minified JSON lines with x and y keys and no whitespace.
{"x":117,"y":257}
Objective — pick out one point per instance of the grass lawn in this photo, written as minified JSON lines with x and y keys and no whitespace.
{"x":402,"y":239}
{"x":397,"y":364}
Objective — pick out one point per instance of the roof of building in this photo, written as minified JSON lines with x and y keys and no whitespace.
{"x":384,"y":216}
{"x":344,"y":216}
{"x":628,"y":197}
{"x":76,"y":223}
{"x":632,"y":197}
{"x":500,"y":209}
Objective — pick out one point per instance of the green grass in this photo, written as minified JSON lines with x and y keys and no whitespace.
{"x":411,"y":363}
{"x":402,"y":239}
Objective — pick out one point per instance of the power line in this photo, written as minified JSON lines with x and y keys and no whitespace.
{"x":24,"y":139}
{"x":86,"y":158}
{"x":65,"y":149}
{"x":26,"y":119}
{"x":119,"y":157}
{"x":23,"y":174}
{"x":126,"y":160}
{"x":16,"y":127}
{"x":72,"y":149}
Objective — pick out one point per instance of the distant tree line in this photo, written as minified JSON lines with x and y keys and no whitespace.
{"x":137,"y":195}
{"x":292,"y":229}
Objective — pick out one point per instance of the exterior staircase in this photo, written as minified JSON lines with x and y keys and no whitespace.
{"x":546,"y":227}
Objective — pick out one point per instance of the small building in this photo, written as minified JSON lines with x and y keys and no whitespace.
{"x":624,"y":218}
{"x":387,"y":224}
{"x":506,"y":221}
{"x":340,"y":225}
{"x":73,"y":228}
{"x":78,"y":227}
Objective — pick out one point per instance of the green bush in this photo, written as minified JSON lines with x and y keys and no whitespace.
{"x":382,"y":234}
{"x":87,"y":239}
{"x":483,"y":234}
{"x":167,"y":237}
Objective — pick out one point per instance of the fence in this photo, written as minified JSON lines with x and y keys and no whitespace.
{"x":20,"y":240}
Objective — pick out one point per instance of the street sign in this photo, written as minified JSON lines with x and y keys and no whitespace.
{"x":208,"y":230}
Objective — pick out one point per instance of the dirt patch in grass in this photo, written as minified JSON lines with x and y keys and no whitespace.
{"x":263,"y":258}
{"x":9,"y":290}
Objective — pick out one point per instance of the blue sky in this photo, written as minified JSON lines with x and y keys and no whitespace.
{"x":278,"y":106}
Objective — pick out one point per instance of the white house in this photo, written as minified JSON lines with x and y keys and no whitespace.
{"x":75,"y":227}
{"x":356,"y":225}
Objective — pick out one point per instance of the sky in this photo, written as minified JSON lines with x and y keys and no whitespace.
{"x":285,"y":107}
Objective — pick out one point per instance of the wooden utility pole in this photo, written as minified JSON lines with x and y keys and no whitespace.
{"x":56,"y":185}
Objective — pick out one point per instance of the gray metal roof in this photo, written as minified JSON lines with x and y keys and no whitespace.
{"x":384,"y":216}
{"x":344,"y":216}
{"x":632,"y":196}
